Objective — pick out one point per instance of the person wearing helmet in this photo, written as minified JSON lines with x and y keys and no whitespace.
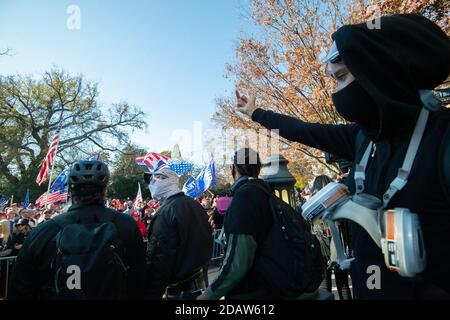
{"x":34,"y":276}
{"x":180,"y":239}
{"x":383,"y":77}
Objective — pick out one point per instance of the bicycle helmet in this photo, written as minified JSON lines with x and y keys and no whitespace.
{"x":85,"y":172}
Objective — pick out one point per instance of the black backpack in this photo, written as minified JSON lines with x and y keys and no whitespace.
{"x":289,"y":260}
{"x":89,"y":262}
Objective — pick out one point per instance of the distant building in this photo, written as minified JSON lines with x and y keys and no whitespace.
{"x":176,"y":153}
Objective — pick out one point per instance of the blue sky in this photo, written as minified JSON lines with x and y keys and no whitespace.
{"x":166,"y":57}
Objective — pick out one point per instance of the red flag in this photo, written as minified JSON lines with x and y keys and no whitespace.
{"x":48,"y":161}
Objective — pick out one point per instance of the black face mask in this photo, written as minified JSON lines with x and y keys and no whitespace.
{"x":354,"y":104}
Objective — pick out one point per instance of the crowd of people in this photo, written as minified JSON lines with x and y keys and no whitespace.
{"x":17,"y":222}
{"x":398,"y":147}
{"x":211,"y":212}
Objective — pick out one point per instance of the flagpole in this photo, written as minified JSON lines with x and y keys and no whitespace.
{"x":50,"y":178}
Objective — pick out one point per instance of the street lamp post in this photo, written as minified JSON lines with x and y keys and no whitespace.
{"x":276,"y":173}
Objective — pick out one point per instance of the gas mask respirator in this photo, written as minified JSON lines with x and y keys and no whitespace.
{"x":397,"y":231}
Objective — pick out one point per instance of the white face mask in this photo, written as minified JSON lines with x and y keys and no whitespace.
{"x":162,"y":189}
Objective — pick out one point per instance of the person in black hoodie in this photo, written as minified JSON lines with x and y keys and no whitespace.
{"x":378,"y":74}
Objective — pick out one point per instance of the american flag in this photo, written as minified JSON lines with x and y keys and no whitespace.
{"x":152,"y":161}
{"x":138,"y":197}
{"x":58,"y":190}
{"x":49,"y":158}
{"x":179,"y":166}
{"x":53,"y":197}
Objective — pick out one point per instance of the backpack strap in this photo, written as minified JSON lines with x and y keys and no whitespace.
{"x":265,"y":188}
{"x":402,"y":176}
{"x":403,"y":173}
{"x":63,"y":220}
{"x":268,"y":191}
{"x":276,"y":211}
{"x":360,"y":167}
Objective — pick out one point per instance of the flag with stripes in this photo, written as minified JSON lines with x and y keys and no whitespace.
{"x":58,"y":190}
{"x":49,"y":158}
{"x":53,"y":197}
{"x":138,"y":196}
{"x":153,"y":161}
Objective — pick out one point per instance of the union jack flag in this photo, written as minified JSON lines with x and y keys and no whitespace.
{"x":152,"y":161}
{"x":49,"y":158}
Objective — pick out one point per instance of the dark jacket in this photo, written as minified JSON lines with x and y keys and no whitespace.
{"x":392,"y":70}
{"x":424,"y":194}
{"x":180,"y":243}
{"x":32,"y":271}
{"x":218,"y":218}
{"x":15,"y":238}
{"x":246,"y":224}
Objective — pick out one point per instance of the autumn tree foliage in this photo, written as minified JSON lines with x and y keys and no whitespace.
{"x":282,"y":63}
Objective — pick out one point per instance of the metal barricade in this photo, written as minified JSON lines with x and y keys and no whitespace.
{"x":146,"y":244}
{"x":6,"y":267}
{"x":218,"y":245}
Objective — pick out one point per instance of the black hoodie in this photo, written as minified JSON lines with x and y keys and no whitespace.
{"x":408,"y":53}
